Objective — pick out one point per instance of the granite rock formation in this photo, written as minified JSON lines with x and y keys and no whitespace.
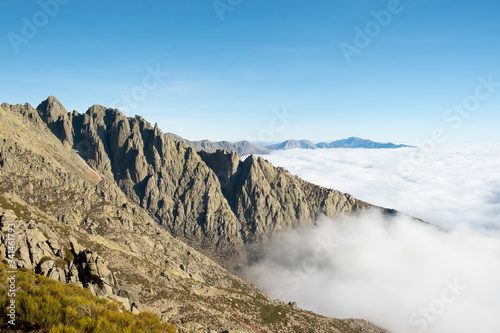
{"x":109,"y":203}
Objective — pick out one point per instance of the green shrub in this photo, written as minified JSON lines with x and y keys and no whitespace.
{"x":66,"y":308}
{"x":44,"y":259}
{"x":68,"y":255}
{"x":272,"y":314}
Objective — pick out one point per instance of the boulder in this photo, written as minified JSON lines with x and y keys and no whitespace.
{"x":121,"y":300}
{"x":131,"y":294}
{"x":75,"y":247}
{"x":8,"y":217}
{"x":24,"y":259}
{"x":95,"y":275}
{"x":46,"y":266}
{"x":57,"y":274}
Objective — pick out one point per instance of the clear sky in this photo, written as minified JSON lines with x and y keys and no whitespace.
{"x":331,"y":69}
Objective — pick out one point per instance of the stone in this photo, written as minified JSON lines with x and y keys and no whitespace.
{"x":75,"y":247}
{"x":8,"y":217}
{"x":121,"y":300}
{"x":135,"y":307}
{"x":46,"y":266}
{"x":57,"y":274}
{"x":54,"y":244}
{"x":131,"y":294}
{"x":24,"y":259}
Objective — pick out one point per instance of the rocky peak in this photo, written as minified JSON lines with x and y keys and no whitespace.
{"x":57,"y":119}
{"x":51,"y":109}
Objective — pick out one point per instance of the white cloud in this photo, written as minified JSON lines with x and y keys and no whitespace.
{"x":455,"y":184}
{"x":398,"y":273}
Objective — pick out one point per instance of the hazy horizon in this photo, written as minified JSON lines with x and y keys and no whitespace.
{"x":417,"y":144}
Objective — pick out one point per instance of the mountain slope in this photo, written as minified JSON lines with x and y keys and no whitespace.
{"x":63,"y":305}
{"x":165,"y":177}
{"x":266,"y":199}
{"x":214,"y":202}
{"x":75,"y":224}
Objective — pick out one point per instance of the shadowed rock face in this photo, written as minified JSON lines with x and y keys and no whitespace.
{"x":214,"y":201}
{"x":57,"y":119}
{"x":267,"y":199}
{"x":163,"y":176}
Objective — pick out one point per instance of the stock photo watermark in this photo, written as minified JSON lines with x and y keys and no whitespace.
{"x":425,"y":315}
{"x":323,"y":251}
{"x":364,"y":35}
{"x":151,"y":81}
{"x":10,"y":241}
{"x":31,"y":27}
{"x":223,"y":6}
{"x":453,"y":118}
{"x":278,"y":123}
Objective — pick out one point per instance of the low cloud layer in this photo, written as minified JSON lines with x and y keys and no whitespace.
{"x":400,"y":274}
{"x":452,"y":185}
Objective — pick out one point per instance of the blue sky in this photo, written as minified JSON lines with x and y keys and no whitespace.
{"x":228,"y":78}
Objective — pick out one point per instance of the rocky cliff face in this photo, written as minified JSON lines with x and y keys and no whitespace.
{"x":96,"y":197}
{"x":266,"y":199}
{"x":164,"y":176}
{"x":214,"y":202}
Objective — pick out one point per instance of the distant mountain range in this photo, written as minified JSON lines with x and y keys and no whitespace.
{"x":248,"y":148}
{"x":241,"y":147}
{"x":352,"y":142}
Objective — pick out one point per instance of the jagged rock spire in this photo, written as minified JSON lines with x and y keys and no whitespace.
{"x":57,"y":118}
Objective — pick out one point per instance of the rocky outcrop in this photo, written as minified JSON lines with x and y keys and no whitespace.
{"x":38,"y":248}
{"x":57,"y":119}
{"x":163,"y":176}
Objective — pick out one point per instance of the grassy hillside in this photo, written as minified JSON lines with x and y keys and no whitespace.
{"x":44,"y":305}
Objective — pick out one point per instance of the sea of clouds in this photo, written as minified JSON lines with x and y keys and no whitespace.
{"x":403,"y":275}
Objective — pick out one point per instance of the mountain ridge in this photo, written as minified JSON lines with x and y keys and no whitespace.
{"x":249,"y":148}
{"x":110,"y":203}
{"x":241,"y":147}
{"x":187,"y":195}
{"x":355,"y":142}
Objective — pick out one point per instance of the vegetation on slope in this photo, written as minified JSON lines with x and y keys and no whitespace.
{"x":46,"y":305}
